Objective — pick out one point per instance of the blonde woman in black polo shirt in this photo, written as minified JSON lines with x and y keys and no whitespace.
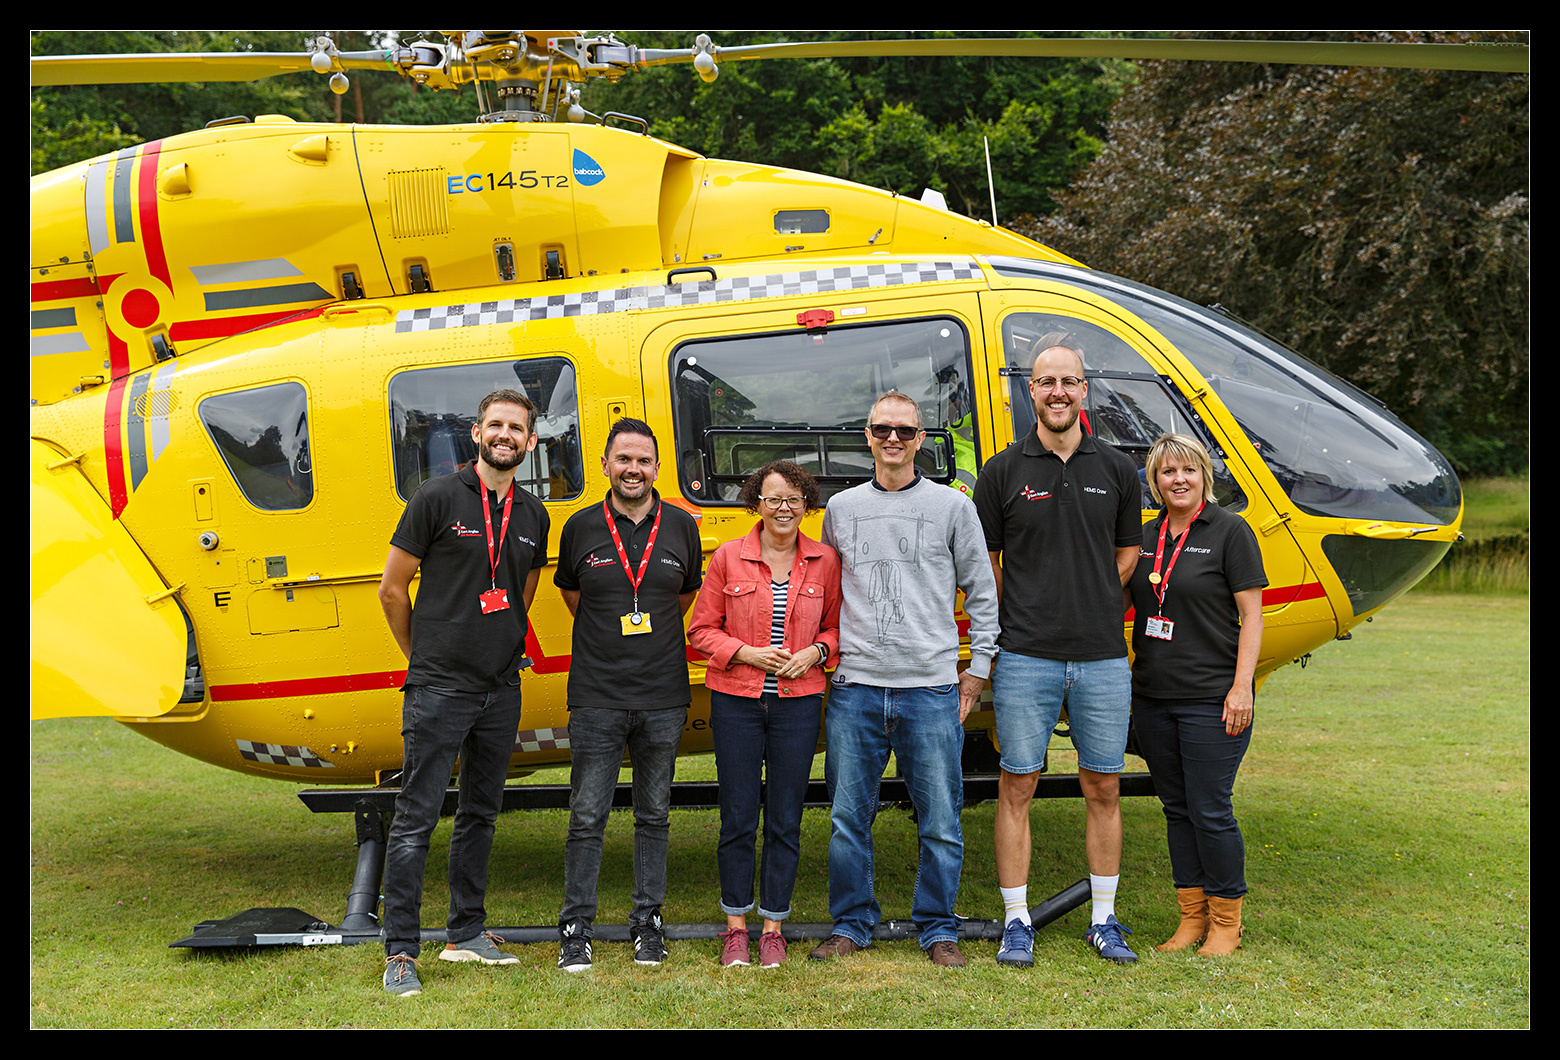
{"x":1197,"y":629}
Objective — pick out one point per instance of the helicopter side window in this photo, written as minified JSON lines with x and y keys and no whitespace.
{"x":432,"y":411}
{"x":804,"y":396}
{"x":1333,"y":448}
{"x":1129,"y":404}
{"x":263,"y":436}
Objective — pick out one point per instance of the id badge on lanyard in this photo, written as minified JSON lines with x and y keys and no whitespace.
{"x":1158,"y":626}
{"x":636,"y":621}
{"x":495,"y":599}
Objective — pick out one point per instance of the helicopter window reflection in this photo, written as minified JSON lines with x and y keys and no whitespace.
{"x":1129,"y":405}
{"x":432,"y":411}
{"x":804,"y":397}
{"x":263,"y":436}
{"x":1333,"y":449}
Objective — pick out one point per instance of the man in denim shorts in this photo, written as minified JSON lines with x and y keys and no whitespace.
{"x":1060,"y":511}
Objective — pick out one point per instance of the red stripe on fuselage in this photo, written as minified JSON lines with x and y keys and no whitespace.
{"x":309,"y":686}
{"x":1278,"y":596}
{"x":541,"y":663}
{"x":151,"y":235}
{"x":55,"y":290}
{"x":226,"y":327}
{"x":113,"y":455}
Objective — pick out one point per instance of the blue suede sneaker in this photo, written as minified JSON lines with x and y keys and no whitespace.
{"x":1107,"y":939}
{"x":1018,"y":945}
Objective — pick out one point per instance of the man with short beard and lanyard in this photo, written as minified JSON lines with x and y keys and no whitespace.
{"x":628,"y":569}
{"x":481,"y":543}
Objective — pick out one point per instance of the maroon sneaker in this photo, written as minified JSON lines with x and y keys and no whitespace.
{"x":771,"y":950}
{"x":734,"y":951}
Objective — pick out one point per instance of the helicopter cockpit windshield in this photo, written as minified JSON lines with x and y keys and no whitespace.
{"x":804,"y":397}
{"x":1334,"y":450}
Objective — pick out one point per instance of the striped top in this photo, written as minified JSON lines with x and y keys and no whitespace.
{"x":776,"y":630}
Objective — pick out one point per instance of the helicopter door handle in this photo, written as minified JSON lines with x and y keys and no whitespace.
{"x":341,"y":309}
{"x":691,"y":268}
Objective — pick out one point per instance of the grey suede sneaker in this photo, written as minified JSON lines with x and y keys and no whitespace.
{"x":401,"y":975}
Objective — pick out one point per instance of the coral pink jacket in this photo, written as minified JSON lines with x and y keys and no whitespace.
{"x":735,"y":604}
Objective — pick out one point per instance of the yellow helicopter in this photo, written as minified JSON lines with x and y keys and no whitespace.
{"x":251,"y":343}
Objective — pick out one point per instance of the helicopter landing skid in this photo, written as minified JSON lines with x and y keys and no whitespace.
{"x":294,"y":927}
{"x":372,"y":808}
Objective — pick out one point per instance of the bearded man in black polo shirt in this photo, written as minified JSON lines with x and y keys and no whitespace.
{"x":628,"y":569}
{"x":1060,"y":510}
{"x":481,"y":543}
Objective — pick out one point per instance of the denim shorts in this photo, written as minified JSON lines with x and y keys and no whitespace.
{"x":1027,"y":694}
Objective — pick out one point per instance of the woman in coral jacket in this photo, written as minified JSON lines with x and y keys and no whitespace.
{"x":768,"y":618}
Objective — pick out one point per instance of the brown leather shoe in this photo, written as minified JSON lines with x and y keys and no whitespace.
{"x":837,"y":946}
{"x":946,"y":955}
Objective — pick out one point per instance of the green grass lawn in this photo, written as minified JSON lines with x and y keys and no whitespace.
{"x":1495,"y":507}
{"x":1492,"y":557}
{"x":1385,"y":805}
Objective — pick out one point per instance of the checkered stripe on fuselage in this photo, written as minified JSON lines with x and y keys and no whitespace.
{"x":280,"y":754}
{"x":740,"y":288}
{"x":542,"y":740}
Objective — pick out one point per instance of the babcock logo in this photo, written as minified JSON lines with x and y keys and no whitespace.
{"x":587,"y":170}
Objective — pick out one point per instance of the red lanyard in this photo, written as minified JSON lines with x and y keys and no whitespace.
{"x":1159,"y":554}
{"x":487,"y":517}
{"x":644,"y":562}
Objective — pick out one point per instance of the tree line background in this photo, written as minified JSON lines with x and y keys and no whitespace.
{"x":1378,"y":221}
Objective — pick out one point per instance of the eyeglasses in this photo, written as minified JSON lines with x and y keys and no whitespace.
{"x":1069,"y":383}
{"x":774,"y":504}
{"x":881,"y":431}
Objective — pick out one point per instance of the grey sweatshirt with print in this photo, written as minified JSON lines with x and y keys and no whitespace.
{"x":902,"y":554}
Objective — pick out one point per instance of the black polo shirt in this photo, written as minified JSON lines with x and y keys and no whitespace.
{"x":1221,"y":557}
{"x":648,"y":671}
{"x":454,"y":645}
{"x":1058,"y":525}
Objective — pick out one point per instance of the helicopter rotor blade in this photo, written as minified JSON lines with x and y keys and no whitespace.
{"x":1493,"y":57}
{"x":166,"y":67}
{"x":1498,"y":57}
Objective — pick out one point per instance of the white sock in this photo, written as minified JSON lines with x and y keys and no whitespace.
{"x":1015,"y":904}
{"x":1103,"y":888}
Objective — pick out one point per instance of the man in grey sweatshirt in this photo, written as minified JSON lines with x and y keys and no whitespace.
{"x":905,"y":545}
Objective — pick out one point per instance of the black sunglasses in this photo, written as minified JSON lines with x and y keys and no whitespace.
{"x":881,"y":431}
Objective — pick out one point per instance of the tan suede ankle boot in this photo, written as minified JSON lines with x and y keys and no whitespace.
{"x":1194,"y":920}
{"x":1224,"y":928}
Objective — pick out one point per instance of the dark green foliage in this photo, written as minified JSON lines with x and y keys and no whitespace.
{"x":900,"y":124}
{"x":1375,"y":220}
{"x":904,"y":124}
{"x":79,"y":121}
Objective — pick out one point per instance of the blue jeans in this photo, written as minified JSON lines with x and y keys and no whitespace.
{"x":920,"y":726}
{"x":437,"y":726}
{"x":598,"y":738}
{"x":1028,"y":692}
{"x":770,"y":738}
{"x":1193,"y":762}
